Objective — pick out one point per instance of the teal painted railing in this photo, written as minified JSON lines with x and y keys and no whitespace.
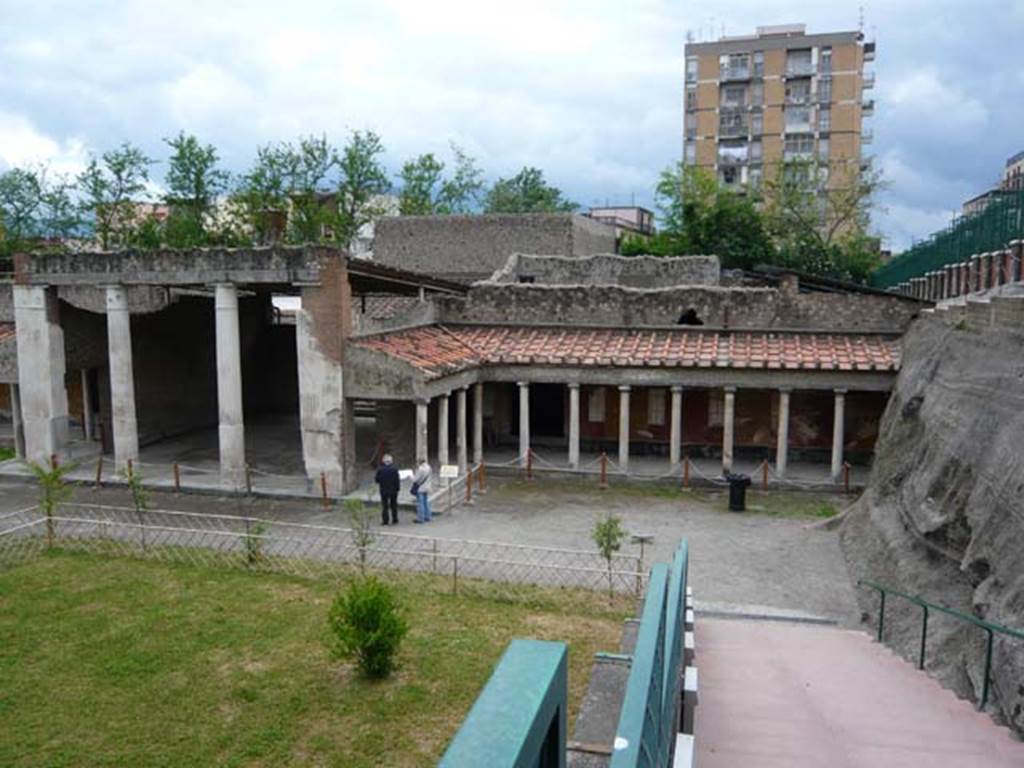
{"x":647,"y":724}
{"x":990,"y":628}
{"x":519,"y":719}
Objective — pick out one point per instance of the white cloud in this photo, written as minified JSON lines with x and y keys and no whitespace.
{"x":937,"y":103}
{"x":21,"y":144}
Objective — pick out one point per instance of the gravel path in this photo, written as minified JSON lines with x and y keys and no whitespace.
{"x":751,"y":560}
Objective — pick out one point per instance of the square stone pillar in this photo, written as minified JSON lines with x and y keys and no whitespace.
{"x":421,"y":430}
{"x":231,"y":430}
{"x":574,"y":426}
{"x":478,"y":423}
{"x":461,"y":447}
{"x":1016,"y":265}
{"x":975,"y":275}
{"x":624,"y":429}
{"x":17,"y":426}
{"x":524,"y":421}
{"x":44,"y":400}
{"x":838,"y":438}
{"x":122,"y":378}
{"x":782,"y":434}
{"x":728,"y":428}
{"x":442,"y":429}
{"x":675,"y":428}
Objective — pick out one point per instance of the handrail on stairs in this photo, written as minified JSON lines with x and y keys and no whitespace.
{"x":991,"y":628}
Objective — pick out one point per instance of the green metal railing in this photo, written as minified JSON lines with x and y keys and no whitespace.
{"x":991,"y":229}
{"x":990,"y":628}
{"x":645,"y":734}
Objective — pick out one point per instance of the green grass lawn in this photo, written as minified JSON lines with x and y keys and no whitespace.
{"x":108,"y":661}
{"x":7,"y":453}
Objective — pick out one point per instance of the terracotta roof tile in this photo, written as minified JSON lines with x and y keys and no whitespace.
{"x":442,"y":350}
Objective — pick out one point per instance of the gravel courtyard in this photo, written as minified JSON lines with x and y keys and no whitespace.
{"x":775,"y":557}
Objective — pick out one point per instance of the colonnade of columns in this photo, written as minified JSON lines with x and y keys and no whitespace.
{"x":676,"y":427}
{"x":461,"y":427}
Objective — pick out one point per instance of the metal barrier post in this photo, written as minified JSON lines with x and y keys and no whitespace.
{"x":177,"y":477}
{"x":924,"y":635}
{"x":248,"y":479}
{"x":99,"y":472}
{"x":988,"y":669}
{"x":529,"y":463}
{"x":323,"y":490}
{"x":469,"y":485}
{"x":481,"y":480}
{"x":846,"y":476}
{"x":604,"y":471}
{"x":764,"y":475}
{"x":686,"y":471}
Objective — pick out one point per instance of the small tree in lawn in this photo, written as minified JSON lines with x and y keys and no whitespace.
{"x":140,"y":497}
{"x":360,"y":518}
{"x":53,"y":491}
{"x":367,"y":625}
{"x":608,"y":534}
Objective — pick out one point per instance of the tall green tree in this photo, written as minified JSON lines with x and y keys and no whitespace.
{"x":426,"y":191}
{"x":362,"y":180}
{"x":194,"y":183}
{"x":259,"y":201}
{"x":20,"y":201}
{"x":111,"y":188}
{"x":526,"y":192}
{"x":460,"y":193}
{"x":313,"y":209}
{"x":421,"y":179}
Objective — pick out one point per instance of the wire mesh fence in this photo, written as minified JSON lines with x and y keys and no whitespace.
{"x":495,"y":569}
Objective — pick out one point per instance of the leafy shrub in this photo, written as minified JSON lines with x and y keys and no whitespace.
{"x":254,"y":543}
{"x":608,"y":534}
{"x":53,"y":491}
{"x":367,"y":625}
{"x":361,"y":519}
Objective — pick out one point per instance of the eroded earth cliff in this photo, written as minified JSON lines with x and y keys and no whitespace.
{"x":943,"y":514}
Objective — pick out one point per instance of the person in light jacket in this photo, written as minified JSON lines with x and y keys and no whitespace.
{"x":421,"y":481}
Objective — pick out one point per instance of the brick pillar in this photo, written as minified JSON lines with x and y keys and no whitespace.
{"x":1017,"y":251}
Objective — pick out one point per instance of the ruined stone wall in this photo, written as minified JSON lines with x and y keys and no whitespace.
{"x":716,"y":307}
{"x":6,"y":303}
{"x":473,"y":247}
{"x":942,"y":516}
{"x":609,"y":269}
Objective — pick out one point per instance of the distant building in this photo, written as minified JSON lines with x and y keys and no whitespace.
{"x":756,"y":101}
{"x":1013,"y":173}
{"x":629,"y":220}
{"x":1012,"y":181}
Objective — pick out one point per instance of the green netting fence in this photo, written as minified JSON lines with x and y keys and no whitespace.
{"x":991,"y":229}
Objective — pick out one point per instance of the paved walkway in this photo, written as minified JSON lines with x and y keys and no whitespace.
{"x":791,"y":695}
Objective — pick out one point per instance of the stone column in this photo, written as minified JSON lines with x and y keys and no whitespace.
{"x":229,"y":386}
{"x":122,"y":381}
{"x":478,"y":423}
{"x":461,"y":447}
{"x":16,"y":424}
{"x":975,"y":274}
{"x":421,"y":430}
{"x":524,"y":421}
{"x":838,"y":438}
{"x":728,"y":428}
{"x":574,"y":426}
{"x":1017,"y":251}
{"x":782,"y":438}
{"x":442,"y":429}
{"x":88,"y":417}
{"x":44,"y":400}
{"x":624,"y":429}
{"x":675,"y":428}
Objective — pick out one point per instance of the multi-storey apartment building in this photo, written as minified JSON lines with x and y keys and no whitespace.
{"x":755,"y":101}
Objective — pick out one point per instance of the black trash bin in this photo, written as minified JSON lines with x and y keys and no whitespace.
{"x":738,"y":492}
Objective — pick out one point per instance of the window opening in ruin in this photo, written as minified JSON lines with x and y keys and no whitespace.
{"x":689,"y":317}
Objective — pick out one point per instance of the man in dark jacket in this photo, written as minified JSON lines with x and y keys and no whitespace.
{"x":388,"y":480}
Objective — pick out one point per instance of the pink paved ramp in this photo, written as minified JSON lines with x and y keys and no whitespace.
{"x":781,"y":694}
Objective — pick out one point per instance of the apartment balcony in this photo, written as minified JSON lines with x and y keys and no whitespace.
{"x":726,"y":74}
{"x":866,"y":137}
{"x":868,"y":80}
{"x":868,"y":107}
{"x":733,"y":130}
{"x":798,"y":100}
{"x":869,"y":51}
{"x":799,"y":69}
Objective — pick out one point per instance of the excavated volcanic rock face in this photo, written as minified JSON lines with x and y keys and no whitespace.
{"x":943,"y":514}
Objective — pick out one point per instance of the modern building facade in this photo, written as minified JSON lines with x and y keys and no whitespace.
{"x":754,"y":102}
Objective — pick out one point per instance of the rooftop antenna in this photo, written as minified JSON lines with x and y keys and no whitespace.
{"x":860,"y":18}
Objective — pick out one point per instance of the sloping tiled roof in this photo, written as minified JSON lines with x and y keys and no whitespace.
{"x":442,"y":350}
{"x":386,"y":307}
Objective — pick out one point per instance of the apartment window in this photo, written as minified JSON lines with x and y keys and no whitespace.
{"x":755,"y":151}
{"x":825,"y":89}
{"x":799,"y":62}
{"x":755,"y":177}
{"x":734,"y":96}
{"x":690,"y":153}
{"x":758,"y":63}
{"x":734,"y":67}
{"x":798,"y":119}
{"x":729,"y":176}
{"x":691,"y":125}
{"x":757,"y":124}
{"x":825,"y":60}
{"x":691,"y":96}
{"x":797,"y":147}
{"x":798,"y":91}
{"x":691,"y":69}
{"x":823,"y":150}
{"x":757,"y":94}
{"x":732,"y":123}
{"x":824,"y":120}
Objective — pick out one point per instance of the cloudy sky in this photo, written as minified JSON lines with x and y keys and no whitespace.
{"x":590,"y":91}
